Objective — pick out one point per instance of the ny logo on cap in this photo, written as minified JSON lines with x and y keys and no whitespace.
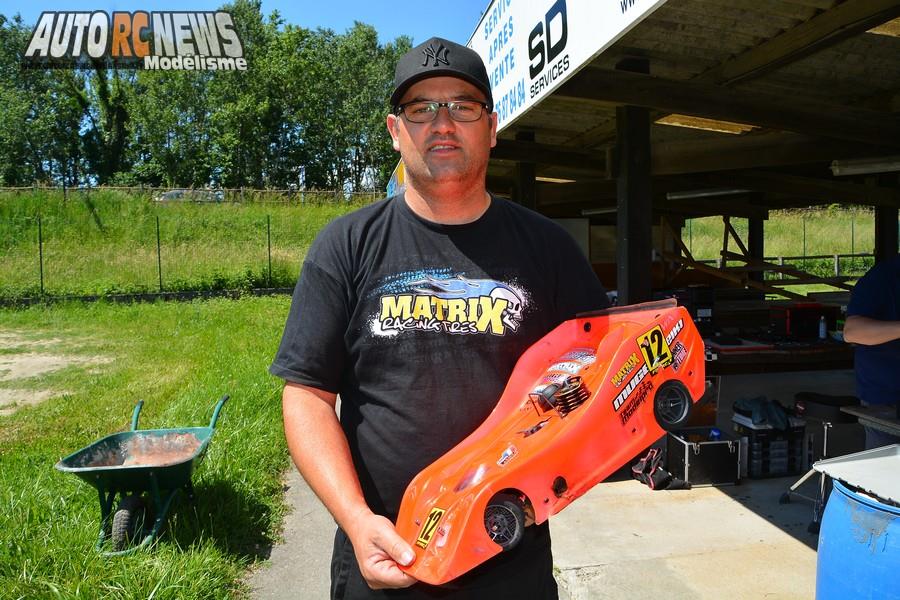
{"x":438,"y":56}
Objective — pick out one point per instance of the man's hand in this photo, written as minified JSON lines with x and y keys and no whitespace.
{"x":379,"y":551}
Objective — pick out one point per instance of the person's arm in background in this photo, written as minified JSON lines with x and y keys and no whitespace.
{"x":319,"y":449}
{"x":868,"y":332}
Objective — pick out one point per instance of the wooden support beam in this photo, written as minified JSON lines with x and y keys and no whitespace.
{"x":546,"y":154}
{"x":754,"y":108}
{"x":729,"y":228}
{"x":786,"y":269}
{"x":589,"y":193}
{"x":741,"y":280}
{"x":832,"y":281}
{"x":753,"y":152}
{"x":823,"y":190}
{"x":676,"y":235}
{"x":602,"y":194}
{"x":844,"y":21}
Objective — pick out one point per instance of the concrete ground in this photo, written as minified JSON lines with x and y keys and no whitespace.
{"x":623,"y":540}
{"x":619,"y":540}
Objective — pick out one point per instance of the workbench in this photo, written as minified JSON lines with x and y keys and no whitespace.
{"x":881,"y":417}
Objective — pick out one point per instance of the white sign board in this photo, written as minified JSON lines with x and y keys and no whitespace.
{"x":531,"y":46}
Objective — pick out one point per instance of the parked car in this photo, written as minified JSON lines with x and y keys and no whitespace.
{"x":580,"y":403}
{"x":189,"y":195}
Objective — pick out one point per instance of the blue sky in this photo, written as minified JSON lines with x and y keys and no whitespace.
{"x":455,"y":20}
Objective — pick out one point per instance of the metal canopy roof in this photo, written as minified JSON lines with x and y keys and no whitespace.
{"x":819,"y":80}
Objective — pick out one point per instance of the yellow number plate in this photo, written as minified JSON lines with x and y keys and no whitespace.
{"x":655,"y":349}
{"x":430,"y":526}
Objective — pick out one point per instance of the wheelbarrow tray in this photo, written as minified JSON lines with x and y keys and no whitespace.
{"x":125,"y":460}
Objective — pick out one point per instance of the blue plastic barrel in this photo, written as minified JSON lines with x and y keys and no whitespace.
{"x":859,"y":548}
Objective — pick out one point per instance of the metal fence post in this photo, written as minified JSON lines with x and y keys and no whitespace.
{"x":269,"y":242}
{"x":691,"y":235}
{"x":41,"y":252}
{"x":158,"y":255}
{"x":804,"y":240}
{"x":853,"y":242}
{"x":837,"y":265}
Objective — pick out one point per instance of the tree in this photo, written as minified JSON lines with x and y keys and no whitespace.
{"x":310,"y":102}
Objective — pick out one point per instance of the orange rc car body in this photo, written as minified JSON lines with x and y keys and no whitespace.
{"x":580,"y":403}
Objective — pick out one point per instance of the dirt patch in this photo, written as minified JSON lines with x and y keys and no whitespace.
{"x":36,"y":358}
{"x":33,"y":364}
{"x":12,"y":399}
{"x":13,"y":339}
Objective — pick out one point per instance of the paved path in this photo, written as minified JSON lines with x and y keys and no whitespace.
{"x":299,"y":567}
{"x":619,"y":540}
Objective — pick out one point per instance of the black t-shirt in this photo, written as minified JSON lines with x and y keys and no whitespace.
{"x":418,"y":325}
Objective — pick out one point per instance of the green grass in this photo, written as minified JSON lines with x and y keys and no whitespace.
{"x":828,"y":231}
{"x":105,"y":243}
{"x":180,"y":358}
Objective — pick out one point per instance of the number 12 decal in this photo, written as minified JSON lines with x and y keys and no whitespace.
{"x":655,"y":349}
{"x":431,"y":523}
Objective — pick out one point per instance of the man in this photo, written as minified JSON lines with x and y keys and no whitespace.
{"x":415,"y":310}
{"x":873,"y":322}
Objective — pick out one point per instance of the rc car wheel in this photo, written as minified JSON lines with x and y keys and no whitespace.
{"x":128,"y":521}
{"x":504,"y":520}
{"x":672,"y":405}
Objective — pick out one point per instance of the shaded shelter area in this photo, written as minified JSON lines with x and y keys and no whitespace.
{"x":731,"y":109}
{"x":716,"y":107}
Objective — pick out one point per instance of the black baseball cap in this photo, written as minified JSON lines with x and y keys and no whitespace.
{"x":439,"y":57}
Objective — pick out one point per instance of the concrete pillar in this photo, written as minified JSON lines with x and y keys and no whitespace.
{"x":756,"y":243}
{"x":634,"y":243}
{"x":526,"y":187}
{"x":885,"y":233}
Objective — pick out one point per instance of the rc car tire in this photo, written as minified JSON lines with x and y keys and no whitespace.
{"x":672,"y":405}
{"x":128,"y":521}
{"x":504,"y":520}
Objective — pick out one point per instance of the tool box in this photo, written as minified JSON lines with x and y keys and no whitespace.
{"x":772,"y":452}
{"x":703,"y":456}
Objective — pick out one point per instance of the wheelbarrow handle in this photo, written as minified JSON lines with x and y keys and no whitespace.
{"x":215,"y":416}
{"x":136,"y":414}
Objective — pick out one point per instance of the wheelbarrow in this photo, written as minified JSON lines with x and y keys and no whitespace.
{"x":140,"y":465}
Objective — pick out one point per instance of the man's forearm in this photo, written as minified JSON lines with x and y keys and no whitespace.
{"x":319,"y":448}
{"x":868,"y":332}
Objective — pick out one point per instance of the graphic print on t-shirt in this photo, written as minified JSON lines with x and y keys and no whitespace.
{"x":440,"y":301}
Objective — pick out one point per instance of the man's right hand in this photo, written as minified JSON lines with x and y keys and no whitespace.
{"x":379,"y":550}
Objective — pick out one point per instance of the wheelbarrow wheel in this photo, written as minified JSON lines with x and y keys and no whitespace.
{"x":128,"y":521}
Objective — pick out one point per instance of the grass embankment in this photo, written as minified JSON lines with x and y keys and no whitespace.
{"x":180,"y":358}
{"x":105,"y":243}
{"x":827,"y":232}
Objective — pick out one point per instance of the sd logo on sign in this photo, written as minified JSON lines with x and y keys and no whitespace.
{"x":542,"y":53}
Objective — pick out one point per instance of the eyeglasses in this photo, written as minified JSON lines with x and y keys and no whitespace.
{"x":464,"y":111}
